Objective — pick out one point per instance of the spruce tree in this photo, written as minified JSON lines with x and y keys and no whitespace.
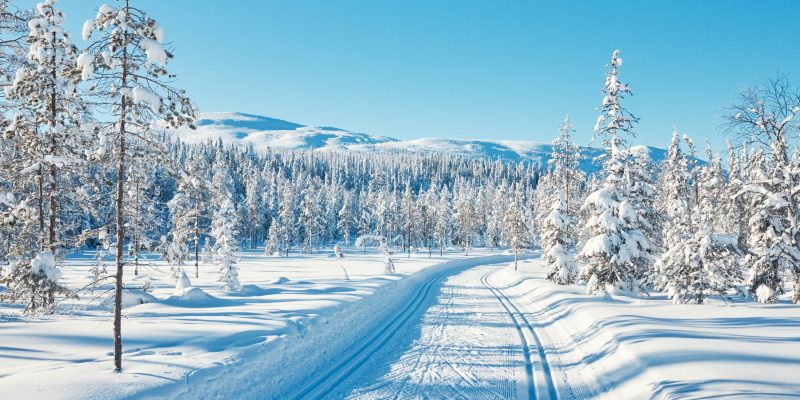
{"x":616,"y":252}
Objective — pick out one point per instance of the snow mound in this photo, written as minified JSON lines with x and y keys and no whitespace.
{"x":278,"y":281}
{"x":131,"y":298}
{"x":194,"y":297}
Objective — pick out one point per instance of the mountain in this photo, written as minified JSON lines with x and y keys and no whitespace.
{"x":264,"y":132}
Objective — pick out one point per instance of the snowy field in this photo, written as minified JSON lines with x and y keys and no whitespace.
{"x":442,"y":327}
{"x":614,"y":346}
{"x":170,"y":338}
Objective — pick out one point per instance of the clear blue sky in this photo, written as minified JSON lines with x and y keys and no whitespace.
{"x":472,"y":69}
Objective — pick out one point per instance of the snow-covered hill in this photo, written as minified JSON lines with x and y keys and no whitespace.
{"x":264,"y":132}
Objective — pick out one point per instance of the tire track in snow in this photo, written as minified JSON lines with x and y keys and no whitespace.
{"x":540,"y":381}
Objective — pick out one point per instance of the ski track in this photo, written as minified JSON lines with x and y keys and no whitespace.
{"x":537,"y":368}
{"x":464,"y":346}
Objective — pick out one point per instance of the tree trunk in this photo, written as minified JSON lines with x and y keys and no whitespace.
{"x":119,"y":217}
{"x":40,"y":182}
{"x":120,"y":250}
{"x":515,"y":261}
{"x":196,"y":241}
{"x":53,"y":143}
{"x":135,"y":240}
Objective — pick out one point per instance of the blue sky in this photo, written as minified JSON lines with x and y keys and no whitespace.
{"x":472,"y":69}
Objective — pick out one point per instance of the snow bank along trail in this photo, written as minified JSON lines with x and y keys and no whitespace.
{"x":315,"y":360}
{"x":615,"y":346}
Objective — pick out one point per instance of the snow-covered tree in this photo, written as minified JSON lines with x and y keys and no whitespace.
{"x":516,"y":227}
{"x":309,"y":219}
{"x":766,"y":117}
{"x":465,"y":218}
{"x":444,"y":219}
{"x":223,"y":230}
{"x":46,"y":88}
{"x":346,"y":218}
{"x":273,"y":244}
{"x":557,"y":226}
{"x":35,"y":283}
{"x":557,"y":241}
{"x":388,"y":263}
{"x":674,"y":200}
{"x":126,"y":66}
{"x":408,"y":215}
{"x":565,"y":164}
{"x":287,"y":216}
{"x":616,"y":252}
{"x":696,"y":261}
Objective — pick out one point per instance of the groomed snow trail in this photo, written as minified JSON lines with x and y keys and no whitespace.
{"x":468,"y":344}
{"x":540,"y":380}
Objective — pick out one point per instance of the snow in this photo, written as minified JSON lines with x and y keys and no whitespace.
{"x":88,"y":26}
{"x":144,"y":96}
{"x":171,"y":339}
{"x":45,"y":263}
{"x":764,"y":293}
{"x":154,"y":51}
{"x":464,"y":340}
{"x":616,"y":346}
{"x":158,"y":31}
{"x":442,"y":327}
{"x":84,"y":62}
{"x":104,"y":10}
{"x":183,"y":284}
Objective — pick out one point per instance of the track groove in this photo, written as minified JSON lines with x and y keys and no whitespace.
{"x":540,"y":381}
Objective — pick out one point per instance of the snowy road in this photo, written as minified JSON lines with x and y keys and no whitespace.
{"x":461,"y":338}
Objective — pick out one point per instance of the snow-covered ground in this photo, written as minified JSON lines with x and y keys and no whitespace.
{"x":616,"y":346}
{"x":172,"y":340}
{"x":442,"y":327}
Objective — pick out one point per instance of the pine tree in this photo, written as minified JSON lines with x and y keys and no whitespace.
{"x":465,"y":218}
{"x":273,"y":245}
{"x":183,"y":219}
{"x":47,"y":88}
{"x":46,"y":141}
{"x":36,"y":283}
{"x":126,"y":66}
